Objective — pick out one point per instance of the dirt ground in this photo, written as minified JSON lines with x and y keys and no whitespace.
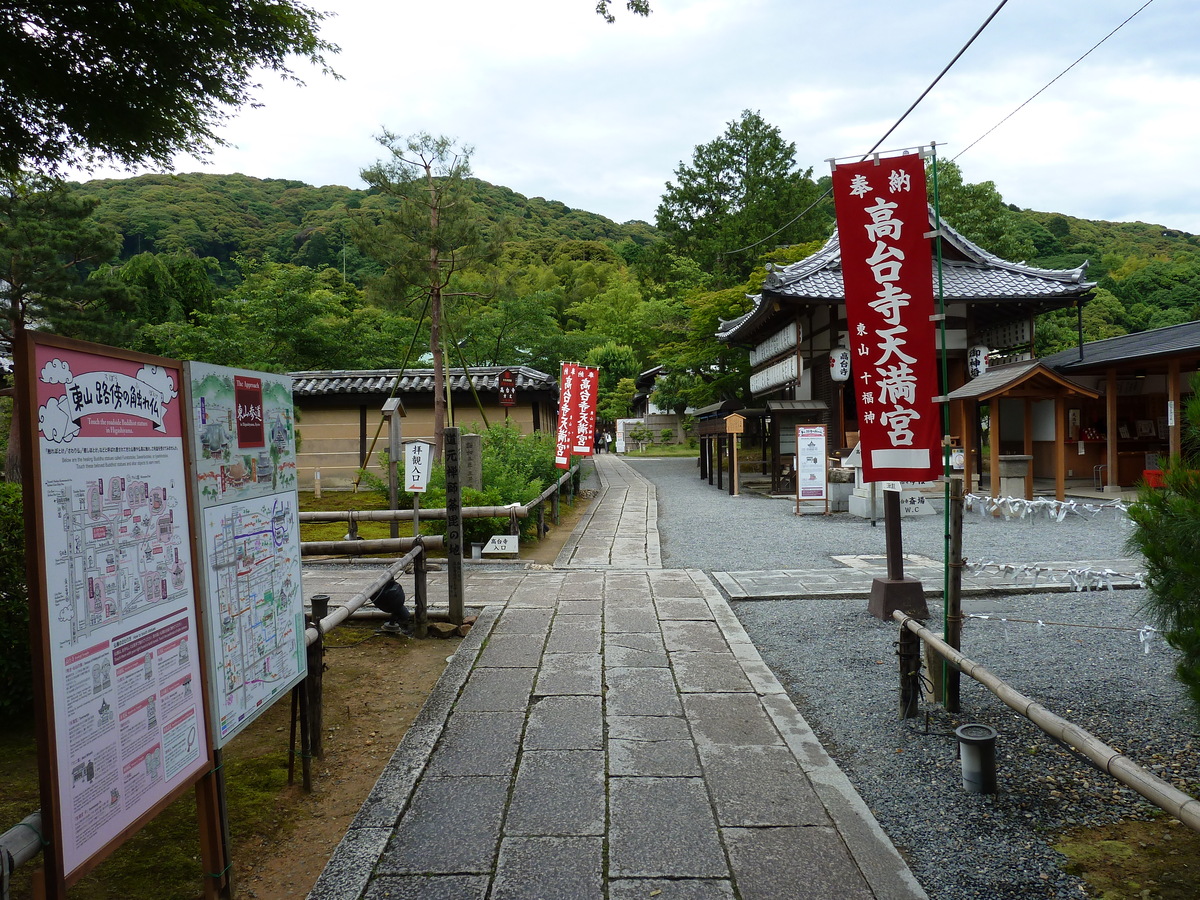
{"x":374,"y":686}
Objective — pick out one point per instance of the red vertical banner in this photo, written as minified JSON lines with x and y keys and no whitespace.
{"x":584,"y":434}
{"x":568,"y":401}
{"x":887,"y":267}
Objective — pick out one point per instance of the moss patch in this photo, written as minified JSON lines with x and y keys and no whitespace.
{"x":1135,"y":860}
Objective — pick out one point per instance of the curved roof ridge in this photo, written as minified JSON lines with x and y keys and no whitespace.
{"x":830,"y":256}
{"x":969,"y":248}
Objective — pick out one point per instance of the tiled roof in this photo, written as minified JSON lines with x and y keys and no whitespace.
{"x":381,"y":381}
{"x":1174,"y":340}
{"x":969,"y":273}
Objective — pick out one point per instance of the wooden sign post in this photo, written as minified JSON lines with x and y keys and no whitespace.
{"x":734,"y":425}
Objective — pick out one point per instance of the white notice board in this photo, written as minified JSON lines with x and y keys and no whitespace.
{"x":812,"y":463}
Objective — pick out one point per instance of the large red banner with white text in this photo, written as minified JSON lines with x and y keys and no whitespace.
{"x":576,"y":412}
{"x":882,"y":219}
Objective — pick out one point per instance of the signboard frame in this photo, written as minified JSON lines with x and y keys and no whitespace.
{"x":812,"y":465}
{"x":118,"y":672}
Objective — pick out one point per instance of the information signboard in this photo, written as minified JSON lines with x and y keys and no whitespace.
{"x":508,"y":388}
{"x":812,"y":462}
{"x":244,"y":485}
{"x":114,"y":604}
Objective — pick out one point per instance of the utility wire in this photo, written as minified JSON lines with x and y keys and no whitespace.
{"x":1051,"y":82}
{"x":897,"y":124}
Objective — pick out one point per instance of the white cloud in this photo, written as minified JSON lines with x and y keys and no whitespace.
{"x":561,"y":105}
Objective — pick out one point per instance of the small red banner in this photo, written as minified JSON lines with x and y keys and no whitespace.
{"x":882,"y":218}
{"x":584,"y":435}
{"x":568,"y":402}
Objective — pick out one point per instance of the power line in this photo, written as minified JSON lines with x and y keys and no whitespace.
{"x":1052,"y":80}
{"x":886,"y":135}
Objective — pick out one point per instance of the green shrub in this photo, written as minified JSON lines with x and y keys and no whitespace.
{"x":516,"y":469}
{"x":1166,"y":523}
{"x":16,"y":671}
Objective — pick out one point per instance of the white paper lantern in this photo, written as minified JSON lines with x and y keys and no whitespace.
{"x":977,"y":360}
{"x":839,"y":364}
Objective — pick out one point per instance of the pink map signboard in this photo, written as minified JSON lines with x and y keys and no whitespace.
{"x":120,"y":639}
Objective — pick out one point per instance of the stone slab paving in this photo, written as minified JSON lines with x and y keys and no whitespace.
{"x":612,"y":735}
{"x":855,"y":577}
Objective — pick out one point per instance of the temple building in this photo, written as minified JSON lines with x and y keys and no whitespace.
{"x":796,"y":334}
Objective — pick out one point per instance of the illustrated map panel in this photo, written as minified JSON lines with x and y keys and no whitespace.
{"x":244,"y":465}
{"x":120,"y":608}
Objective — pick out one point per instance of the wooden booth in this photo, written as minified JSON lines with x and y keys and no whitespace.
{"x":1141,"y":380}
{"x":1031,"y":429}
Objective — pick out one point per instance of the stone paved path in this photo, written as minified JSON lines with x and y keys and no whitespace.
{"x":607,"y":730}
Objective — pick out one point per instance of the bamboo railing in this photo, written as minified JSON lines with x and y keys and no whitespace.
{"x":1161,"y":793}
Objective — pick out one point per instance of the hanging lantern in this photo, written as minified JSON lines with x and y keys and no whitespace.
{"x":839,"y":364}
{"x":977,"y":360}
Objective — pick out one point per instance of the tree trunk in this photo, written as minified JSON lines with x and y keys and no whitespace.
{"x":435,"y":324}
{"x":12,"y":458}
{"x":439,"y":372}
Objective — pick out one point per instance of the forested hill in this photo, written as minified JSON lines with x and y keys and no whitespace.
{"x":221,"y":215}
{"x":1148,"y":274}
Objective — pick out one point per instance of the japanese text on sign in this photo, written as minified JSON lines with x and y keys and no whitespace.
{"x":418,"y":455}
{"x":887,"y":268}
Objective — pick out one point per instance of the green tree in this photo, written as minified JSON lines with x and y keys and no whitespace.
{"x":638,"y":7}
{"x":49,"y":245}
{"x":617,"y":363}
{"x":741,"y":189}
{"x":1165,"y":523}
{"x":978,"y":212}
{"x":137,"y":80}
{"x":618,"y":403}
{"x":286,"y":318}
{"x":426,"y":236}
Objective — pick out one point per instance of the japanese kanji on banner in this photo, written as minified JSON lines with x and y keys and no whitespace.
{"x":587,"y":381}
{"x":882,"y":218}
{"x":576,"y":412}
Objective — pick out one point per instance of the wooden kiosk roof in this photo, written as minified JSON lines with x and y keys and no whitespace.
{"x":1032,"y":378}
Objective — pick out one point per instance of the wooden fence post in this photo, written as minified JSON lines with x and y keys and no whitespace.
{"x":954,"y":617}
{"x":316,"y":668}
{"x":420,"y":594}
{"x":909,"y":651}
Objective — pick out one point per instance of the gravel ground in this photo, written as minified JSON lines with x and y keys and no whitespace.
{"x":839,"y":665}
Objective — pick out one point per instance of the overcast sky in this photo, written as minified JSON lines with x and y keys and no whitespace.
{"x":558,"y":104}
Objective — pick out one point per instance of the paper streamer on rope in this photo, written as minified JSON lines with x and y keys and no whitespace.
{"x":1081,"y":578}
{"x":1145,"y":633}
{"x":1054,"y":510}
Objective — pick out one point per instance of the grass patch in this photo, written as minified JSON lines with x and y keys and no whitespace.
{"x":163,"y":859}
{"x":656,"y":450}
